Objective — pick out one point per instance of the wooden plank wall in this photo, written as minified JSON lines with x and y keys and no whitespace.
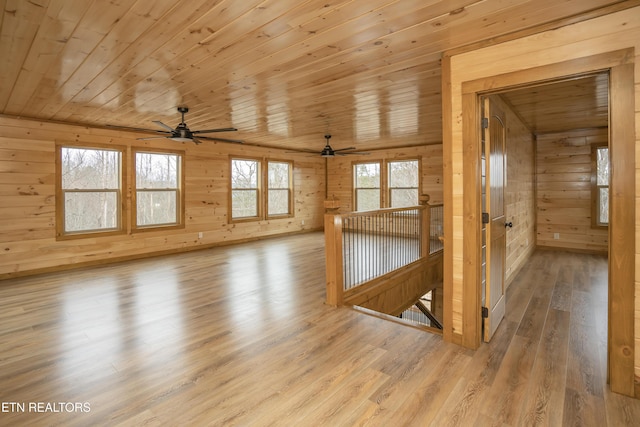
{"x":27,"y":191}
{"x":519,"y":193}
{"x":340,"y":171}
{"x":598,"y":36}
{"x":564,"y":191}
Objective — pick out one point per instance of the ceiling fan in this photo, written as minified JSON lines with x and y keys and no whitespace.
{"x":182,"y":133}
{"x":327,"y":151}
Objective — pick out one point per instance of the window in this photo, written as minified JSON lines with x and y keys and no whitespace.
{"x":600,"y":186}
{"x":279,"y":189}
{"x":403,"y":183}
{"x":90,"y":183}
{"x":367,"y":186}
{"x":245,"y":188}
{"x":400,"y":187}
{"x":158,"y":189}
{"x":248,"y":179}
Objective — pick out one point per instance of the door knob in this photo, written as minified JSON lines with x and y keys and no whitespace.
{"x":508,"y":224}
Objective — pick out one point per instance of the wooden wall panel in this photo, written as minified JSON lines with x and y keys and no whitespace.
{"x":604,"y":38}
{"x":563,"y":167}
{"x":340,"y":171}
{"x":27,"y":190}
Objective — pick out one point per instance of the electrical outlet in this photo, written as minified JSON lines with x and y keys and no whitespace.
{"x":303,"y":222}
{"x":526,"y":242}
{"x":556,"y":236}
{"x":200,"y":234}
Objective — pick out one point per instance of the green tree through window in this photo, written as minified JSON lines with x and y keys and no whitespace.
{"x":91,"y":189}
{"x":403,"y":183}
{"x":157,"y":189}
{"x":279,"y":188}
{"x":367,"y":186}
{"x":244,"y":188}
{"x":600,"y":186}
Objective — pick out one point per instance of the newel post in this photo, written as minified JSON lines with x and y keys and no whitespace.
{"x":425,"y":225}
{"x":333,"y":252}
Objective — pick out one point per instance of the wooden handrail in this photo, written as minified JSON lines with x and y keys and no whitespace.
{"x":334,"y":223}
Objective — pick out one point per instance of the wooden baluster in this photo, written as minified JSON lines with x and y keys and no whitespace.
{"x":425,"y":225}
{"x":333,"y":252}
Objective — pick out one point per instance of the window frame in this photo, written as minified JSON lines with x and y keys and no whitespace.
{"x":385,"y":188}
{"x":389,"y":188}
{"x":355,"y":187}
{"x":262,"y":195}
{"x":180,"y":193}
{"x":289,"y":213}
{"x":595,"y":188}
{"x":258,"y":190}
{"x":60,"y":214}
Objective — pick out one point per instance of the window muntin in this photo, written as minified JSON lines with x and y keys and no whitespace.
{"x":367,"y":186}
{"x":600,"y":190}
{"x":158,"y":189}
{"x":403,"y":178}
{"x":245,"y":188}
{"x":90,"y":184}
{"x":278,"y":188}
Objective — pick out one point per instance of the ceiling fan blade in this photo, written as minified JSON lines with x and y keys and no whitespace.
{"x":153,"y":137}
{"x":303,"y":153}
{"x":135,"y":129}
{"x":215,"y":130}
{"x":303,"y":150}
{"x":213,"y":138}
{"x":345,"y":149}
{"x":159,"y":123}
{"x":356,"y":153}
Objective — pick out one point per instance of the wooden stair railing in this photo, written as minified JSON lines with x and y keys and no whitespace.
{"x":398,"y":283}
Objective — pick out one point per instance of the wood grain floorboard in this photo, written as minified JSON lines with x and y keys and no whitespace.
{"x":240,"y":336}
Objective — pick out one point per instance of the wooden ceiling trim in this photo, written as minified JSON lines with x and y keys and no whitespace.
{"x":580,"y":16}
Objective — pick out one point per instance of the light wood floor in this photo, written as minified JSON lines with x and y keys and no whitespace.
{"x":240,"y":336}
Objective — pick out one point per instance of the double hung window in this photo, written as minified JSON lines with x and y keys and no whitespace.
{"x":90,"y":182}
{"x":261,"y":189}
{"x":399,"y":187}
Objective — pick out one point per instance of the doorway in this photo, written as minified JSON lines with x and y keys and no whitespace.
{"x":543,"y":197}
{"x":622,"y":201}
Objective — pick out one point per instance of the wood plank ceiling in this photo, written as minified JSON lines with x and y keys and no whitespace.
{"x":578,"y":103}
{"x":284,"y":72}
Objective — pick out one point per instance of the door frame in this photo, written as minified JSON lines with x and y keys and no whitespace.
{"x":619,"y":64}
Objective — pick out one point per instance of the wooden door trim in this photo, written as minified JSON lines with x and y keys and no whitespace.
{"x":621,"y":236}
{"x":622,"y":190}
